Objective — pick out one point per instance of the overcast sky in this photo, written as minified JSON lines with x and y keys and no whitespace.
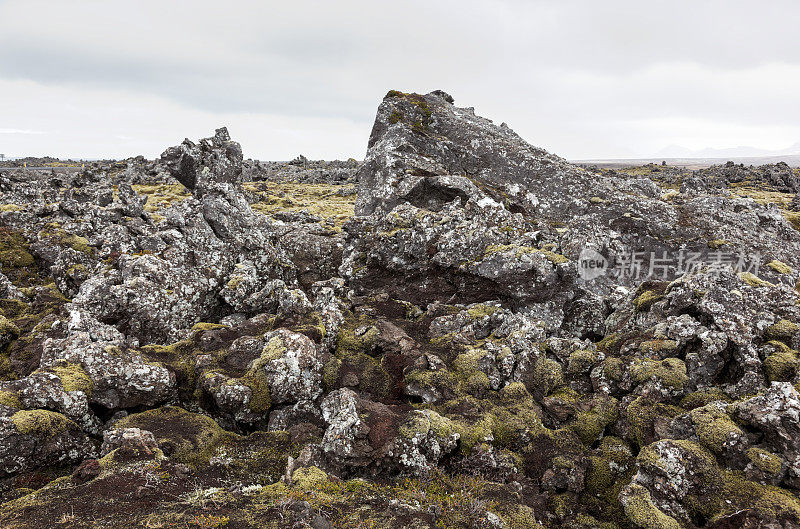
{"x":583,"y":79}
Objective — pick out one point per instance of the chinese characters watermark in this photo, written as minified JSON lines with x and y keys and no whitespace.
{"x":663,"y":265}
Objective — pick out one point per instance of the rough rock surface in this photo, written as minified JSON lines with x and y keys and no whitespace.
{"x":463,"y":331}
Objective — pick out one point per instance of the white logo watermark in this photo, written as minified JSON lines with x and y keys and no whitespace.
{"x":663,"y":265}
{"x":591,"y":264}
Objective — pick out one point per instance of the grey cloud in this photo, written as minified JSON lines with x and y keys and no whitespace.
{"x":551,"y":68}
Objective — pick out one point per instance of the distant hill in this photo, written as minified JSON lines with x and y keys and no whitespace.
{"x":695,"y":162}
{"x":675,"y":151}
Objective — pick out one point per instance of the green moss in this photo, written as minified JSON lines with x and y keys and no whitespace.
{"x":641,"y":510}
{"x":659,"y":347}
{"x":581,"y":361}
{"x":17,"y":258}
{"x":515,"y":392}
{"x":309,"y":477}
{"x":554,"y":258}
{"x":41,"y":422}
{"x":330,"y":374}
{"x":481,"y":310}
{"x":349,"y":342}
{"x":793,"y":217}
{"x":256,"y":380}
{"x":395,"y":117}
{"x":510,"y":422}
{"x":234,"y":282}
{"x":517,"y":516}
{"x":717,"y":243}
{"x":670,"y":371}
{"x":467,"y":363}
{"x":477,"y":383}
{"x":547,"y":376}
{"x":7,"y":327}
{"x":74,"y":378}
{"x":610,"y":344}
{"x":753,"y":280}
{"x":188,"y":438}
{"x":10,"y":399}
{"x":782,"y":331}
{"x":646,"y":299}
{"x":771,"y":501}
{"x":613,"y":369}
{"x":318,"y":199}
{"x":16,"y":261}
{"x":203,"y":326}
{"x":312,"y":326}
{"x":445,"y":382}
{"x":781,"y":268}
{"x":54,"y":233}
{"x":766,"y":462}
{"x":160,"y":196}
{"x":782,"y":364}
{"x":714,"y":428}
{"x":590,"y":424}
{"x":273,"y":350}
{"x":424,"y":421}
{"x":703,"y":397}
{"x":642,"y":413}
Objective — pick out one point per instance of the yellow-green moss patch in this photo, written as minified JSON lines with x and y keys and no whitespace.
{"x":753,"y":280}
{"x":670,"y":371}
{"x":781,"y":268}
{"x":641,"y":510}
{"x":10,"y":399}
{"x":74,"y":378}
{"x":41,"y":422}
{"x":782,"y":331}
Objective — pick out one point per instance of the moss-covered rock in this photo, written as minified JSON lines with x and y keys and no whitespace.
{"x":642,"y":414}
{"x":715,"y":429}
{"x":74,"y":378}
{"x":671,"y":372}
{"x":753,"y":280}
{"x":546,"y":376}
{"x":659,"y":348}
{"x":581,"y":361}
{"x":646,"y":299}
{"x":53,"y":233}
{"x":183,"y":436}
{"x":642,"y":511}
{"x":782,"y":331}
{"x":590,"y":424}
{"x":780,"y":267}
{"x":10,"y":400}
{"x":765,"y":461}
{"x":782,"y":363}
{"x":42,"y":423}
{"x":703,"y":397}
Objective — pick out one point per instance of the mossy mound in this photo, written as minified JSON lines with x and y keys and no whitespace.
{"x":183,"y":436}
{"x":16,"y":261}
{"x":42,"y":423}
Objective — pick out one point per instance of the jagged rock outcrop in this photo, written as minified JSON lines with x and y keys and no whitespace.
{"x":460,"y":209}
{"x":211,"y":161}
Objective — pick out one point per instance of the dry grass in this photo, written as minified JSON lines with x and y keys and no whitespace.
{"x":317,"y":199}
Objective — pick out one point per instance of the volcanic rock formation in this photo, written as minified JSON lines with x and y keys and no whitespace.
{"x":485,"y":335}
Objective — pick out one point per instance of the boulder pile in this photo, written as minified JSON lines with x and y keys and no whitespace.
{"x":483,"y":335}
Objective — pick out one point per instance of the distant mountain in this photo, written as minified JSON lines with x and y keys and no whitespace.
{"x":676,"y":151}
